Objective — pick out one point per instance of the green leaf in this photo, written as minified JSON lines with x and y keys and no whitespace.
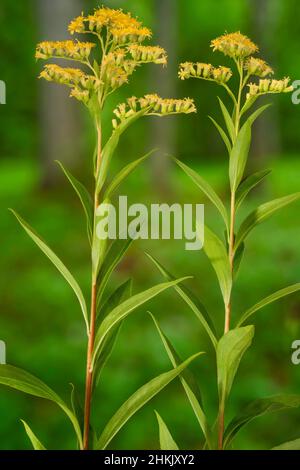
{"x":111,"y":146}
{"x":85,"y":199}
{"x":142,"y":396}
{"x":230,"y":351}
{"x":268,"y":300}
{"x":113,"y":257}
{"x":238,"y":259}
{"x":258,"y":408}
{"x":126,"y":171}
{"x":291,"y":445}
{"x":188,"y":382}
{"x":248,"y":184}
{"x":228,"y":120}
{"x":239,"y":156}
{"x":127,"y":307}
{"x":104,"y":353}
{"x":21,"y":380}
{"x":192,"y":301}
{"x":251,"y":119}
{"x":57,"y":263}
{"x":261,"y":214}
{"x":99,"y":242}
{"x":166,"y":441}
{"x":216,"y":252}
{"x":36,"y":444}
{"x":222,"y":134}
{"x":206,"y":188}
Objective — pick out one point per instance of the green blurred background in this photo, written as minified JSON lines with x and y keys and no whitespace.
{"x":40,"y":320}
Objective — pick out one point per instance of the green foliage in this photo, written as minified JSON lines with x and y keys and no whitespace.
{"x":36,"y":444}
{"x":166,"y":440}
{"x":21,"y":380}
{"x":137,"y":401}
{"x":258,"y":408}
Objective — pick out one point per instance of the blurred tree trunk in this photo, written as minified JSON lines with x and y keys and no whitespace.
{"x":264,"y":21}
{"x":163,"y":80}
{"x":59,"y":116}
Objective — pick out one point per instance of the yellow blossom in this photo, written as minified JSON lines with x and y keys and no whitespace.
{"x":258,"y":67}
{"x":75,"y":50}
{"x":77,"y":25}
{"x":152,"y":104}
{"x":146,"y":54}
{"x":266,"y":86}
{"x":205,"y":71}
{"x":235,"y":45}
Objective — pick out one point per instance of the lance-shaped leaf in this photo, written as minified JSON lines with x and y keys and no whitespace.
{"x":228,"y":120}
{"x":36,"y":443}
{"x":189,"y":384}
{"x":268,"y":300}
{"x":248,"y":184}
{"x":238,"y":260}
{"x":252,"y":118}
{"x":58,"y":264}
{"x":206,"y":188}
{"x":291,"y":445}
{"x":239,"y":156}
{"x":216,"y":252}
{"x":222,"y":134}
{"x":104,"y":353}
{"x":262,"y":213}
{"x":122,"y":311}
{"x":85,"y":199}
{"x":126,"y":171}
{"x":230,"y":351}
{"x":192,"y":301}
{"x":21,"y":380}
{"x":113,"y":257}
{"x":111,"y":146}
{"x":258,"y":408}
{"x":142,"y":396}
{"x":166,"y":441}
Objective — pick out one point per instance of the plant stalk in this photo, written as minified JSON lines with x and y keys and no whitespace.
{"x":93,"y":315}
{"x":221,"y":419}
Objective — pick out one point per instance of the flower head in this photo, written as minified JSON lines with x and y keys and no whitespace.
{"x":146,"y":54}
{"x":75,"y":50}
{"x":83,"y":85}
{"x":234,"y":45}
{"x":152,"y":104}
{"x":121,"y":26}
{"x":258,"y":67}
{"x":219,"y":74}
{"x":266,"y":86}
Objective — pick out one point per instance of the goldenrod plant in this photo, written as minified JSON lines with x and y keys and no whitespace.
{"x":104,"y":65}
{"x":226,"y":254}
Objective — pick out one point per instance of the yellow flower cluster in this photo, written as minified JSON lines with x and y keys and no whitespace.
{"x":152,"y":104}
{"x":258,"y":67}
{"x":204,"y":71}
{"x":146,"y":54}
{"x":123,"y":28}
{"x":266,"y":86}
{"x":234,"y":45}
{"x":75,"y":50}
{"x":116,"y":69}
{"x":82,"y":85}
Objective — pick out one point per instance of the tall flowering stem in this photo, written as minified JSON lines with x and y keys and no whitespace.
{"x":118,"y":41}
{"x":237,"y":138}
